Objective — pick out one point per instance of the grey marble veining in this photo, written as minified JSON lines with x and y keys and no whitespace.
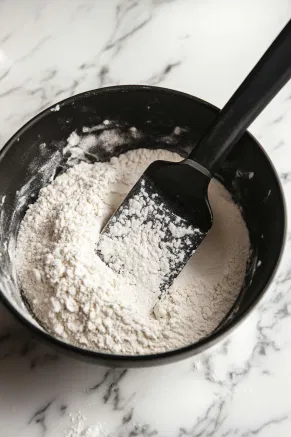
{"x":50,"y":50}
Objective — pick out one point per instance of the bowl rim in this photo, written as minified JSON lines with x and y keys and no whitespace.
{"x":171,"y":355}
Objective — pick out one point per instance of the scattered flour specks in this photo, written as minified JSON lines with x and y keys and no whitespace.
{"x":78,"y":428}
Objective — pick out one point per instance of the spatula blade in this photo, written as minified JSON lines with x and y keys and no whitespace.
{"x":159,"y":225}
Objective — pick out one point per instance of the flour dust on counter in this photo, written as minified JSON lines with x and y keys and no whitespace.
{"x":78,"y":298}
{"x":78,"y":428}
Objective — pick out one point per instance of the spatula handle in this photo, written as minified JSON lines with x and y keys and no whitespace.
{"x":265,"y":80}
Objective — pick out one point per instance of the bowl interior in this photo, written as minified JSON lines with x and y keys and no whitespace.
{"x":35,"y":155}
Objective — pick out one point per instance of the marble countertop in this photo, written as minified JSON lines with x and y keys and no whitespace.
{"x":53,"y":49}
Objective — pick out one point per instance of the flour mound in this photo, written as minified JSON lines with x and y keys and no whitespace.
{"x":80,"y":299}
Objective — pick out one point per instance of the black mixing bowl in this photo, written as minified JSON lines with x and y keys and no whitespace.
{"x":34,"y":155}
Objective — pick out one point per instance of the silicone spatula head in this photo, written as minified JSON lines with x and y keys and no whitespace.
{"x":160,"y":223}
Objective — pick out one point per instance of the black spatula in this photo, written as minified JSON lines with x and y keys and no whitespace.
{"x":170,"y":200}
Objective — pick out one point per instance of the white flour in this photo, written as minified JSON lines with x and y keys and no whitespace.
{"x":78,"y":298}
{"x":78,"y":428}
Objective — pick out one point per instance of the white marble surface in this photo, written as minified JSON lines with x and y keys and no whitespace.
{"x":52,"y":49}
